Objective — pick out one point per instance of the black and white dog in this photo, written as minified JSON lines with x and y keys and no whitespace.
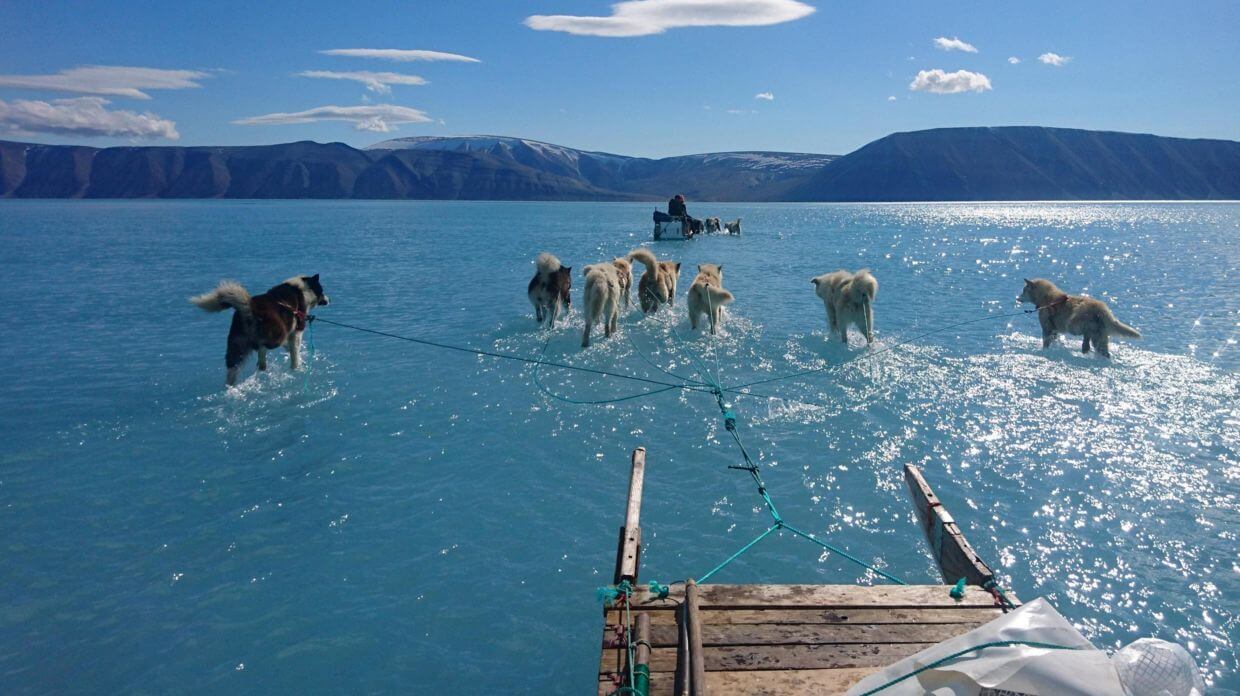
{"x":264,"y":322}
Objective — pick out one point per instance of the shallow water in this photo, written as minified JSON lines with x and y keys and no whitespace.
{"x":397,"y":517}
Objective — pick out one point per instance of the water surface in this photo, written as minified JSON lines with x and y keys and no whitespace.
{"x":399,"y":518}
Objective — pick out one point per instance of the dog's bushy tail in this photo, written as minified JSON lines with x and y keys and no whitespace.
{"x":1115,"y":327}
{"x":229,"y":294}
{"x":547,"y":263}
{"x":863,"y":286}
{"x":645,"y":257}
{"x":718,"y":296}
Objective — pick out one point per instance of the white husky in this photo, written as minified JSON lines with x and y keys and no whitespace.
{"x":601,"y":299}
{"x":848,"y":298}
{"x":707,"y":296}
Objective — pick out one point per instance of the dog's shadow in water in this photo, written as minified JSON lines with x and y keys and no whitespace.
{"x":1069,"y":355}
{"x":832,"y":351}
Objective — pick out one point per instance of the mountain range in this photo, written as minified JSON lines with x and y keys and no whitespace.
{"x":1002,"y":163}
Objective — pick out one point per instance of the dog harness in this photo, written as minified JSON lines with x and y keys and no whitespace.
{"x":298,"y":314}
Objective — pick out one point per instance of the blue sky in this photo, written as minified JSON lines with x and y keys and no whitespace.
{"x":839,"y":74}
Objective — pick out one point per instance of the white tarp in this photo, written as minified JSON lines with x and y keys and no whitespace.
{"x":1019,"y":668}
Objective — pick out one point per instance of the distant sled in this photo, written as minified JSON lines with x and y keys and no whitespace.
{"x":672,"y":227}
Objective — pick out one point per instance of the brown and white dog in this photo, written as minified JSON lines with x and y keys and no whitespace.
{"x":548,"y":289}
{"x":658,"y":283}
{"x":601,"y":299}
{"x":264,"y":322}
{"x":624,"y":273}
{"x":1059,"y":312}
{"x":713,"y":225}
{"x":848,"y":298}
{"x":707,"y":296}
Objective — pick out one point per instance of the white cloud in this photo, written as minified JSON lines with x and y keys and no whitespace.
{"x":83,"y":116}
{"x":891,"y":98}
{"x":110,"y":80}
{"x":1014,"y":60}
{"x":379,"y":118}
{"x":375,"y":81}
{"x":954,"y":44}
{"x":736,"y":112}
{"x":940,"y":82}
{"x":645,"y":17}
{"x":1054,"y":59}
{"x":766,"y":96}
{"x":399,"y":55}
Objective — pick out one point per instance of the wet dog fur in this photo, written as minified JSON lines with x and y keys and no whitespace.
{"x":658,"y":284}
{"x":548,"y":289}
{"x":264,"y":322}
{"x":707,"y":296}
{"x":601,"y":299}
{"x":848,"y":298}
{"x":1059,"y":312}
{"x":624,"y":273}
{"x":733,"y":227}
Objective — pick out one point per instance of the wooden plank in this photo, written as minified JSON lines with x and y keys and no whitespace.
{"x":697,"y":654}
{"x":819,"y":682}
{"x":823,"y":596}
{"x":664,"y":636}
{"x":781,"y":657}
{"x":955,"y":556}
{"x":629,"y":552}
{"x":712,"y":617}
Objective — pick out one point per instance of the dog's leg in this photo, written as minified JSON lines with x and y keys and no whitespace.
{"x":1103,"y":343}
{"x":538,"y":313}
{"x":831,"y":317}
{"x":869,"y":323}
{"x":585,"y":336}
{"x":238,"y":350}
{"x":693,"y":317}
{"x":294,"y":350}
{"x":1085,"y":344}
{"x":1048,"y":337}
{"x":262,"y":359}
{"x":552,"y":312}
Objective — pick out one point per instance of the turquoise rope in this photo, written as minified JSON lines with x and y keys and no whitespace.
{"x":845,"y":554}
{"x":577,"y":402}
{"x":949,"y":658}
{"x":655,"y":365}
{"x":737,"y":555}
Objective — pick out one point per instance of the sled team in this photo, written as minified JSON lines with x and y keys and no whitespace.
{"x":278,"y":317}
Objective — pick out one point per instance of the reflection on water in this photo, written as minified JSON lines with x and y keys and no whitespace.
{"x":357,"y":525}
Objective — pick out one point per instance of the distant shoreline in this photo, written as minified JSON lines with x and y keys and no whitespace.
{"x":1012,"y":163}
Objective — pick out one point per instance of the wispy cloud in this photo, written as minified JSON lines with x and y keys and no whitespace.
{"x":109,"y":80}
{"x":954,"y":44}
{"x":375,"y":81}
{"x":399,"y":55}
{"x":765,"y":96}
{"x":1054,"y":59}
{"x":891,"y":98}
{"x":1014,"y":60}
{"x":379,"y":118}
{"x":736,"y":112}
{"x":645,"y":17}
{"x":940,"y":82}
{"x":81,"y":116}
